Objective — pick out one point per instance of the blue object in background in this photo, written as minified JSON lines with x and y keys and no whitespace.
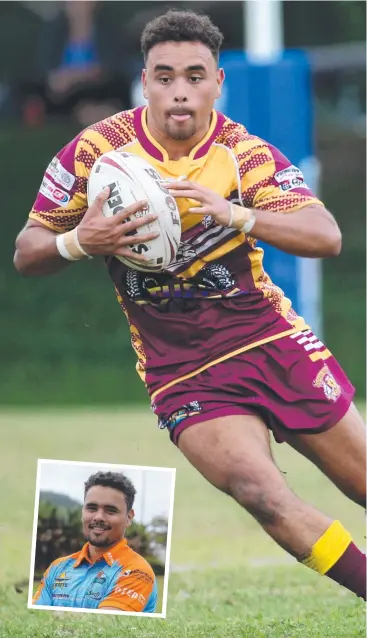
{"x":274,"y":101}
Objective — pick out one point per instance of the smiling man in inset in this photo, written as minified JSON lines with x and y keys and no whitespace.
{"x":105,"y":573}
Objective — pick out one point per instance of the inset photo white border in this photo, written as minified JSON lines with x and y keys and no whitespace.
{"x":155,"y":488}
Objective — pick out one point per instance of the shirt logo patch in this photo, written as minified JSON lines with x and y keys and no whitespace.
{"x":326,"y":381}
{"x":55,"y":194}
{"x":95,"y":595}
{"x":60,"y":174}
{"x":290,"y":178}
{"x":63,"y":576}
{"x":100,"y":579}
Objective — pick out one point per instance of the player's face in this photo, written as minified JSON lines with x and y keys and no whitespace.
{"x":105,"y":516}
{"x":181,"y":83}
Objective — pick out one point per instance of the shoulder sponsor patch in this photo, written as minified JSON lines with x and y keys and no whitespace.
{"x":288,"y":173}
{"x":60,"y":174}
{"x":290,"y":178}
{"x":55,"y":194}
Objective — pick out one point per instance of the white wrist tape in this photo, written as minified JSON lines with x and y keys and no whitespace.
{"x":69,"y":246}
{"x":241,"y":218}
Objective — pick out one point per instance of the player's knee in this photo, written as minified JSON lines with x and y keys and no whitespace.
{"x":264,"y":501}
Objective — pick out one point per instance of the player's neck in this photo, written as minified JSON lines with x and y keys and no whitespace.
{"x":176,"y":148}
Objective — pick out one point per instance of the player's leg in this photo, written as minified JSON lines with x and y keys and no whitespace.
{"x":233,"y":453}
{"x":339,"y":452}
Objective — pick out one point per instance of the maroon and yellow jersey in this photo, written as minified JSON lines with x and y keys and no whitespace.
{"x":214,"y":300}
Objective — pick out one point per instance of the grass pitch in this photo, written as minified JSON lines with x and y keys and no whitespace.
{"x":228,"y":579}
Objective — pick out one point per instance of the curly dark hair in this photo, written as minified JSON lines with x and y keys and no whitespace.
{"x":181,"y":26}
{"x":113,"y":479}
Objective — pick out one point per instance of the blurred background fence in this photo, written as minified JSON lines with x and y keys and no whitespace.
{"x":64,"y":339}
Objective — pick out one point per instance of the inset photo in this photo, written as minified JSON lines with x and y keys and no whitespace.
{"x":101,"y":538}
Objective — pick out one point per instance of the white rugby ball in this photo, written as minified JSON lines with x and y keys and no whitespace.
{"x":130,"y":179}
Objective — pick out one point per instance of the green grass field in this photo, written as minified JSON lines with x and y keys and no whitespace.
{"x":228,"y":579}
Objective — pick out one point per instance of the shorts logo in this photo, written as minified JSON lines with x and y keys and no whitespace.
{"x":60,"y":174}
{"x":190,"y":409}
{"x":57,"y":195}
{"x":326,"y":381}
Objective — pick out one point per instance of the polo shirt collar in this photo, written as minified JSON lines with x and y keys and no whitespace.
{"x":109,"y":555}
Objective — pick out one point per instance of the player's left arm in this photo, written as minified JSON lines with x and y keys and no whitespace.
{"x":130,"y":593}
{"x":284,"y":211}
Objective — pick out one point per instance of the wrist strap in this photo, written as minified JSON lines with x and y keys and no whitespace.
{"x":69,"y":246}
{"x":239,"y":220}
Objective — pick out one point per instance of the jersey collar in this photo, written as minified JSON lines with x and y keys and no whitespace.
{"x":153,"y":148}
{"x":109,"y":556}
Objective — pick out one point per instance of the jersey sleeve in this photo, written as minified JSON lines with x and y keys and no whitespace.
{"x":43,"y":595}
{"x":62,"y":198}
{"x":133,"y":591}
{"x":269,"y":181}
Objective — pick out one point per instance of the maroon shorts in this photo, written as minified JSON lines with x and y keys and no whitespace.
{"x":292,"y":383}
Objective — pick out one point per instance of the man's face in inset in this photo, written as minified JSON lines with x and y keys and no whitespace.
{"x":105,"y":516}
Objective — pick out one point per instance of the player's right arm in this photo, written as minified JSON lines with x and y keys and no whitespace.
{"x":65,"y":184}
{"x":36,"y":251}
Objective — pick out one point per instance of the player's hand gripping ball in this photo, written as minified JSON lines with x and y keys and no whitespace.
{"x":131,"y":179}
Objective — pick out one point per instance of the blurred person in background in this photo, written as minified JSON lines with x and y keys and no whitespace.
{"x":74,"y":73}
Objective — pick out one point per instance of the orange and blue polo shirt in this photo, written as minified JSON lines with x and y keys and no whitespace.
{"x":120,"y":578}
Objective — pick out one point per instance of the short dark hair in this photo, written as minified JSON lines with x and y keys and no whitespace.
{"x":181,"y":26}
{"x":116,"y":480}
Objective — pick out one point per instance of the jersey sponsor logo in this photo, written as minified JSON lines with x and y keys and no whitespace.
{"x":61,"y":584}
{"x":95,"y":595}
{"x":131,"y":593}
{"x":55,"y":194}
{"x":214,"y":281}
{"x":140,"y":575}
{"x":290,"y":178}
{"x":288,"y":173}
{"x":60,"y":174}
{"x":291,"y":184}
{"x":100,"y":579}
{"x":60,"y":596}
{"x":326,"y":381}
{"x":207,"y":221}
{"x":63,"y":576}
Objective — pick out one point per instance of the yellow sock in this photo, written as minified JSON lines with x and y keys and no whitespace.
{"x":328,"y":549}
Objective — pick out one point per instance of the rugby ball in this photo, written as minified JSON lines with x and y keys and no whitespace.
{"x":130,"y":179}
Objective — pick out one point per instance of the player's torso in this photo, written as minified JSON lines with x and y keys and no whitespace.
{"x":83,"y":586}
{"x":211,"y":296}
